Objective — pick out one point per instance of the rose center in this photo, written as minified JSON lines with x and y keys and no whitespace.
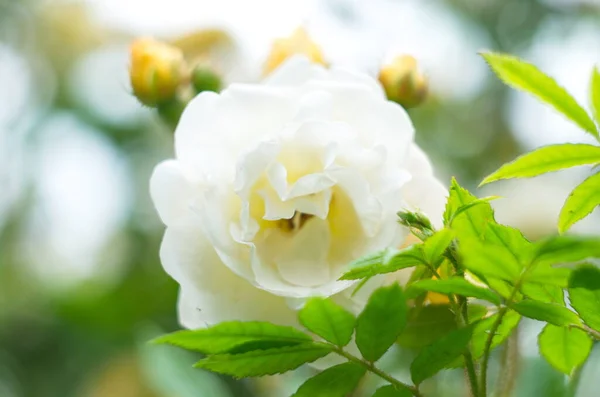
{"x":295,"y":223}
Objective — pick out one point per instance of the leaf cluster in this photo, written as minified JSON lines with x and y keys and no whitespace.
{"x":526,"y":77}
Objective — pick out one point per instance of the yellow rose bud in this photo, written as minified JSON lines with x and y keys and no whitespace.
{"x":299,"y":43}
{"x":403,"y":82}
{"x":156,"y":71}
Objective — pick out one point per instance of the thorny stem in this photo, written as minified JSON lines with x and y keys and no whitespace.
{"x":460,"y":308}
{"x":509,"y":366}
{"x":488,"y":343}
{"x":369,"y":366}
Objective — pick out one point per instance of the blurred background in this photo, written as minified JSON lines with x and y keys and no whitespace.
{"x":81,"y":286}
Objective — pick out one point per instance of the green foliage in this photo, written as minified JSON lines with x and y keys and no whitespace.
{"x":544,"y":293}
{"x":595,"y":93}
{"x":481,"y":332}
{"x":566,"y":249}
{"x":584,"y":294}
{"x":547,"y":159}
{"x":337,"y":381}
{"x":490,"y":260}
{"x":381,"y":322}
{"x":526,"y":77}
{"x":439,"y":354}
{"x":426,"y":324}
{"x":328,"y":320}
{"x":582,"y":200}
{"x":457,"y":286}
{"x":264,"y":362}
{"x":471,"y":222}
{"x":518,"y":277}
{"x":391,"y":391}
{"x":227,"y":336}
{"x":459,"y":210}
{"x":433,"y":248}
{"x":548,"y":275}
{"x":542,"y":311}
{"x":564,"y":348}
{"x":384,"y":261}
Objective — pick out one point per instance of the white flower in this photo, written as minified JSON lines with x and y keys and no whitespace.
{"x":277,"y":187}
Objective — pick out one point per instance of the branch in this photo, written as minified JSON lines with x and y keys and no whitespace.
{"x":373,"y":369}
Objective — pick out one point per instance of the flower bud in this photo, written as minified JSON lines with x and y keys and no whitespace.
{"x":156,"y":71}
{"x":403,"y":82}
{"x":417,"y":222}
{"x":299,"y":43}
{"x":205,"y":79}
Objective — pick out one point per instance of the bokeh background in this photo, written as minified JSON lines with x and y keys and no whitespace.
{"x":81,"y":286}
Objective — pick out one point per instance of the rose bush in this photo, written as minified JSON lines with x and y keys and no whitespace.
{"x":276,"y":187}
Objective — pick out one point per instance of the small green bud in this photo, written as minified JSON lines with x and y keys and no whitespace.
{"x":205,"y":79}
{"x":419,"y":224}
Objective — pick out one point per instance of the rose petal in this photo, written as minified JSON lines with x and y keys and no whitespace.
{"x":210,"y":292}
{"x":306,"y":267}
{"x":171,"y":191}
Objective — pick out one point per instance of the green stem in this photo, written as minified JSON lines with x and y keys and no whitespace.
{"x":487,"y":350}
{"x":490,"y":339}
{"x":460,"y":309}
{"x":509,"y":366}
{"x":369,"y":366}
{"x":595,"y":334}
{"x":471,"y":374}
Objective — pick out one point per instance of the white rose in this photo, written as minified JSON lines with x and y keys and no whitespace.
{"x":277,"y":187}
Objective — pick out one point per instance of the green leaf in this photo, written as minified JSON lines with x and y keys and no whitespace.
{"x":381,"y":322}
{"x":227,"y":336}
{"x":566,"y":249}
{"x":544,"y":293}
{"x":526,"y":77}
{"x":481,"y":332}
{"x":582,"y":200}
{"x":584,"y":294}
{"x":547,"y":159}
{"x":391,"y":391}
{"x":457,"y":286}
{"x":489,"y":260}
{"x":466,"y":207}
{"x":426,"y":324}
{"x":548,"y":275}
{"x":439,"y":354}
{"x":511,"y":240}
{"x":564,"y":348}
{"x":471,"y":222}
{"x":595,"y":93}
{"x":328,"y":320}
{"x":169,"y":372}
{"x":476,"y":312}
{"x":542,"y":311}
{"x":434,"y":246}
{"x":337,"y":381}
{"x":501,"y":287}
{"x":264,"y":362}
{"x":384,"y":261}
